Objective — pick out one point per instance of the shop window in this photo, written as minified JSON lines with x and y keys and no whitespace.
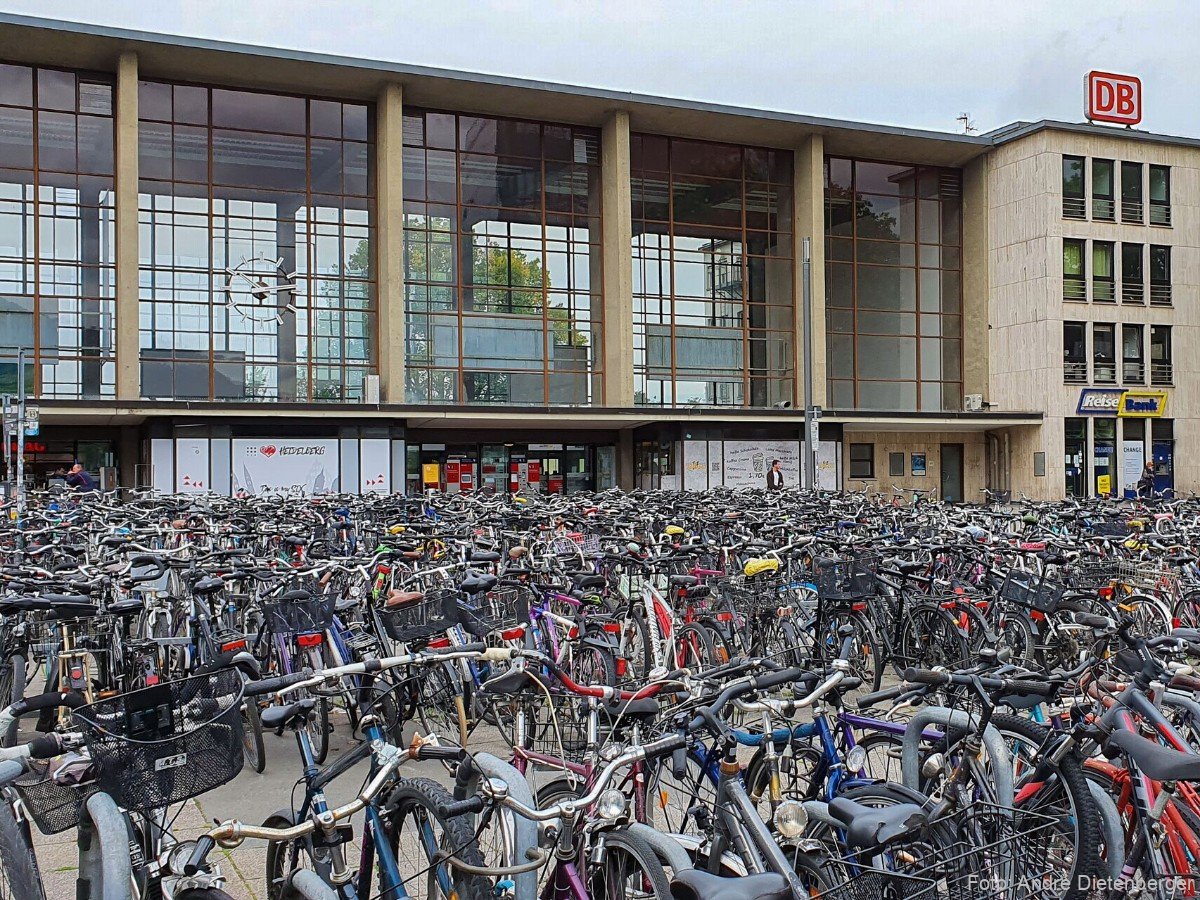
{"x":1131,"y":192}
{"x":1104,"y":287}
{"x":1074,"y":270}
{"x":1075,"y":456}
{"x":1133,"y":368}
{"x":1074,"y":204}
{"x":862,"y":462}
{"x":1160,"y":355}
{"x":1102,"y":190}
{"x":895,"y":464}
{"x":1160,"y":195}
{"x":1075,"y":367}
{"x":1104,"y":355}
{"x":1133,"y":283}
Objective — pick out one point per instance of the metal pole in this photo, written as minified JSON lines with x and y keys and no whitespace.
{"x":8,"y":472}
{"x":810,"y":450}
{"x":20,"y":450}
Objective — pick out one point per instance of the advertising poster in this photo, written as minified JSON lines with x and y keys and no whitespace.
{"x":431,"y":475}
{"x":918,"y":464}
{"x":375,"y":466}
{"x":1133,"y":457}
{"x":191,"y":466}
{"x":695,"y":465}
{"x":829,"y":456}
{"x":263,"y":466}
{"x":746,"y":462}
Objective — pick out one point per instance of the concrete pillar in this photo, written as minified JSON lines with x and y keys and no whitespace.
{"x":389,"y":241}
{"x":976,"y":285}
{"x":128,"y":447}
{"x":808,"y":221}
{"x":625,"y":474}
{"x":129,"y":371}
{"x":617,"y":252}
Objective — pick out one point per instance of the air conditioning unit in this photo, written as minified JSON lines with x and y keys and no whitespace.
{"x":371,"y":389}
{"x":973,"y":402}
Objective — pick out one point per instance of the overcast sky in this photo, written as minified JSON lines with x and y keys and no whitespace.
{"x":918,"y":64}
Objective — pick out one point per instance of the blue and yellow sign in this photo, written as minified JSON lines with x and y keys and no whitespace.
{"x":1142,"y":404}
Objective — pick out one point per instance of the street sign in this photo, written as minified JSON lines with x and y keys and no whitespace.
{"x":32,"y":414}
{"x":816,"y":412}
{"x":1114,"y":98}
{"x":814,"y":434}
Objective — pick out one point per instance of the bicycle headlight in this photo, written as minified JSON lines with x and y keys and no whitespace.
{"x":611,"y":805}
{"x":856,"y":759}
{"x":178,"y":856}
{"x":790,"y":818}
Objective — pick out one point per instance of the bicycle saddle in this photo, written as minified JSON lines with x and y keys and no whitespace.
{"x":209,"y":585}
{"x":276,"y":718}
{"x":696,"y":884}
{"x":643,"y":708}
{"x":683,"y":580}
{"x":403,"y":598}
{"x":63,"y":605}
{"x":127,"y":607}
{"x":867,"y":826}
{"x":590,"y":581}
{"x":297,"y":594}
{"x":477,"y":583}
{"x":485,"y":556}
{"x":1154,"y":760}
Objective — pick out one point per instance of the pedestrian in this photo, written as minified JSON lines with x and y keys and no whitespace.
{"x":775,"y":476}
{"x":1145,"y":487}
{"x":80,"y":480}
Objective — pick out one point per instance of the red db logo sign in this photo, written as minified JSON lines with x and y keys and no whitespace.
{"x":1114,"y":98}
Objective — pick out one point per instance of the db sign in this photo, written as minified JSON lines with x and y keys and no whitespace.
{"x":1114,"y":98}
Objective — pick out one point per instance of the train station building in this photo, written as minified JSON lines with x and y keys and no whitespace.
{"x":237,"y":267}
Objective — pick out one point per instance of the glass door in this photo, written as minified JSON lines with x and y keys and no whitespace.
{"x":1104,"y":433}
{"x":577,"y":469}
{"x":493,"y":468}
{"x":1074,"y":464}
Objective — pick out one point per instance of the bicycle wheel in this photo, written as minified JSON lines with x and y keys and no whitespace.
{"x":628,"y":870}
{"x":634,"y":648}
{"x":252,"y":736}
{"x":287,"y":857}
{"x":20,"y":878}
{"x":12,"y":689}
{"x":668,"y":798}
{"x":204,"y":894}
{"x":318,"y":725}
{"x":693,"y":648}
{"x":417,"y":833}
{"x":441,"y":706}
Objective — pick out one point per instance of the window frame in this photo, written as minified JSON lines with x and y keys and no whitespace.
{"x":1074,"y":205}
{"x":1133,"y":208}
{"x":1162,"y":217}
{"x":1103,"y":205}
{"x":1075,"y":335}
{"x":868,"y":461}
{"x":1107,"y":284}
{"x":1139,"y":374}
{"x":1098,"y":364}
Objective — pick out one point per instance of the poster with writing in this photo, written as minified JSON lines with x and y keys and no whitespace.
{"x":191,"y":466}
{"x":375,"y":466}
{"x":695,"y":465}
{"x":264,"y":466}
{"x":747,"y":462}
{"x":829,"y":458}
{"x":1133,"y":457}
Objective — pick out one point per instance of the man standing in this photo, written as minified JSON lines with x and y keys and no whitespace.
{"x":1145,"y":486}
{"x":775,"y":476}
{"x":80,"y":480}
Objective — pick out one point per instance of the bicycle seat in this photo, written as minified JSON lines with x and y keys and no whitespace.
{"x":294,"y":542}
{"x":696,"y":884}
{"x":683,"y":580}
{"x":403,"y":598}
{"x":485,"y":556}
{"x":590,"y":581}
{"x":131,"y":606}
{"x":477,"y":583}
{"x":1154,"y":760}
{"x":209,"y":585}
{"x":697,"y":591}
{"x":907,"y":567}
{"x":297,"y":594}
{"x":645,"y":708}
{"x":276,"y":718}
{"x":867,"y":826}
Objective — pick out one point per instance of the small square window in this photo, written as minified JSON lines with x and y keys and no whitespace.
{"x":862,"y":462}
{"x":896,"y":464}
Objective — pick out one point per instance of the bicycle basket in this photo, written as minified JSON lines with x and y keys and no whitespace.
{"x":52,"y":805}
{"x":299,"y":613}
{"x":167,"y":743}
{"x":838,"y":579}
{"x":1027,"y":590}
{"x":502,"y":609}
{"x":419,"y":621}
{"x":1110,"y":528}
{"x":556,"y":727}
{"x":875,"y":884}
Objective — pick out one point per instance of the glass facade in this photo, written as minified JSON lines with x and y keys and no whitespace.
{"x":502,"y":261}
{"x":56,"y":232}
{"x":893,"y":283}
{"x":713,"y":271}
{"x":255,"y":223}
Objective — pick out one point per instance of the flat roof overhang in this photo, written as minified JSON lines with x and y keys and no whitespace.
{"x":178,"y":58}
{"x":87,"y":412}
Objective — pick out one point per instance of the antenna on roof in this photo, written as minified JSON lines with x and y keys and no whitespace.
{"x":968,"y":126}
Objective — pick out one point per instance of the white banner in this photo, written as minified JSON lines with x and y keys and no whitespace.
{"x":191,"y":466}
{"x":262,"y":465}
{"x":747,"y":462}
{"x":1133,"y":457}
{"x":829,"y":454}
{"x":375,"y":466}
{"x":695,"y":465}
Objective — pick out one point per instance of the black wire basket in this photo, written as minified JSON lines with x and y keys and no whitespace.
{"x":840,"y":579}
{"x":421,"y":620}
{"x":875,"y":884}
{"x":299,"y":613}
{"x":53,"y":806}
{"x":166,"y":743}
{"x":556,"y":727}
{"x":1031,"y":591}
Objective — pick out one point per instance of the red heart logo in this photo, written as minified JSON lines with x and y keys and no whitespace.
{"x":268,"y":450}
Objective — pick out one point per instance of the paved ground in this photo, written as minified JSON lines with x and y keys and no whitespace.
{"x":251,"y":798}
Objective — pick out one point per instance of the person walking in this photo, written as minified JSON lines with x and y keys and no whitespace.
{"x":80,"y":480}
{"x":1145,"y":486}
{"x":775,"y":476}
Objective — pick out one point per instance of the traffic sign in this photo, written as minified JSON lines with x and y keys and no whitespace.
{"x":32,"y":415}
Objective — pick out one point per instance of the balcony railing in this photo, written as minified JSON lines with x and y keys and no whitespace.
{"x":1160,"y":295}
{"x":1104,"y":291}
{"x":1074,"y":288}
{"x":1133,"y":372}
{"x":1133,"y":293}
{"x":1075,"y":372}
{"x":1161,"y":374}
{"x":1105,"y":372}
{"x":1074,"y":208}
{"x":1104,"y":209}
{"x":1131,"y":211}
{"x":1160,"y":214}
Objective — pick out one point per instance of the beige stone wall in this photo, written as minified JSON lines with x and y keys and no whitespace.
{"x":929,"y":443}
{"x":1026,"y":310}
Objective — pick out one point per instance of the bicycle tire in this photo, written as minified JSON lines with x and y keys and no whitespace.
{"x":253,"y":746}
{"x":441,"y":703}
{"x":654,"y":877}
{"x":286,"y":853}
{"x":423,"y":798}
{"x":12,"y":689}
{"x":692,"y":648}
{"x":204,"y":894}
{"x":21,"y":879}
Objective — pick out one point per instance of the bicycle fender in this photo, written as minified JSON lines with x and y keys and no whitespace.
{"x":485,"y":765}
{"x":104,"y":855}
{"x":993,"y":743}
{"x":1110,"y":827}
{"x":665,"y":846}
{"x":307,"y":885}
